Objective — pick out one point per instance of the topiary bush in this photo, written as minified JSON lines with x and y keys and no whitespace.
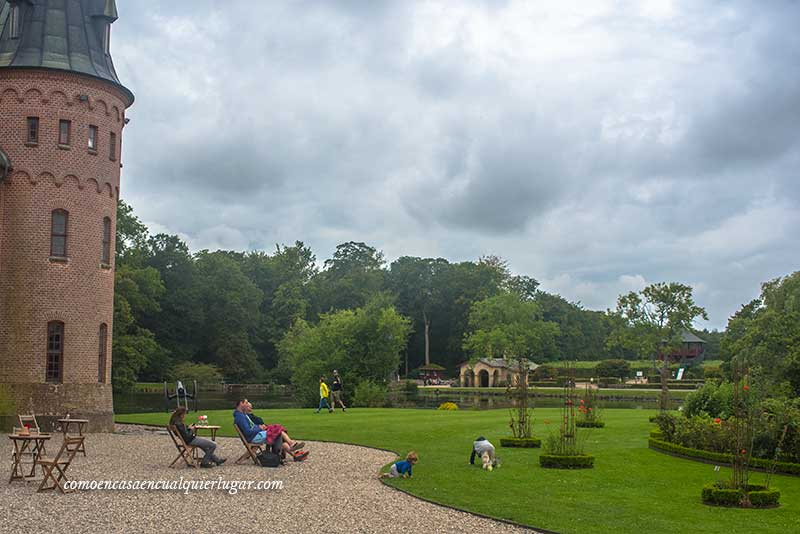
{"x":523,"y":443}
{"x":555,"y":461}
{"x":757,"y":496}
{"x":590,"y":424}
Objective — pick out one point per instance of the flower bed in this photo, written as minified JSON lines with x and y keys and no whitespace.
{"x":556,"y":461}
{"x":448,"y":406}
{"x":590,"y":424}
{"x":787,"y":468}
{"x":758,"y":496}
{"x":525,"y":443}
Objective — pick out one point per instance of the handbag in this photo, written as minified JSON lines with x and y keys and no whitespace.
{"x":268,"y":459}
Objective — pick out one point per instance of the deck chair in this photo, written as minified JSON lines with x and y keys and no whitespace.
{"x":188,"y":453}
{"x":55,"y":469}
{"x":30,"y":420}
{"x":252,"y":449}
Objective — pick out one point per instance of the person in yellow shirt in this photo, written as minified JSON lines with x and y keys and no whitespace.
{"x":323,"y":395}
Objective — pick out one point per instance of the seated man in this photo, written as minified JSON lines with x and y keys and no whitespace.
{"x":273,"y":435}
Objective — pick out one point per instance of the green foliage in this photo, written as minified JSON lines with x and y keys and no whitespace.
{"x":504,"y":326}
{"x":570,"y":461}
{"x":363,"y":344}
{"x":756,"y":496}
{"x":711,"y":400}
{"x":523,"y":443}
{"x":765,"y":336}
{"x":721,"y":457}
{"x":613,"y":368}
{"x":369,"y":394}
{"x":201,"y":372}
{"x":7,"y":405}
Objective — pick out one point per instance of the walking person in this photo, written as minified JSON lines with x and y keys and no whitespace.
{"x":323,"y":395}
{"x":336,"y":392}
{"x":190,"y":438}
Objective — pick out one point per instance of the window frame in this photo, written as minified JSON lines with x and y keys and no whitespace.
{"x":61,"y":133}
{"x":54,"y":357}
{"x":102,"y":359}
{"x":54,"y":235}
{"x":112,"y":146}
{"x":92,"y":137}
{"x":107,"y":39}
{"x":32,"y":125}
{"x":105,"y":257}
{"x":14,"y":24}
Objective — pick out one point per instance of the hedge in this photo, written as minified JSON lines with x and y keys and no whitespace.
{"x":555,"y":461}
{"x":525,"y":443}
{"x":787,"y":468}
{"x":759,"y":496}
{"x":590,"y":424}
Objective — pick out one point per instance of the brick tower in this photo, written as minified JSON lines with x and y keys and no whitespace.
{"x":62,"y":112}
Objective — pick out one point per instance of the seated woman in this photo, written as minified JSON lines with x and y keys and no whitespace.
{"x":190,"y":438}
{"x":255,"y":431}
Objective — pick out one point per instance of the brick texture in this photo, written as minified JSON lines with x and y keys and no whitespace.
{"x":34,"y":288}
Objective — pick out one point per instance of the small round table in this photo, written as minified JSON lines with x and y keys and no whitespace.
{"x":80,"y":423}
{"x":212,"y":428}
{"x":22,"y":445}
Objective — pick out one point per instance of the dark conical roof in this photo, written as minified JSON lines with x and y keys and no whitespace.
{"x":60,"y":35}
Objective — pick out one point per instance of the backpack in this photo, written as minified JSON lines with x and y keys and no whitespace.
{"x":268,"y":459}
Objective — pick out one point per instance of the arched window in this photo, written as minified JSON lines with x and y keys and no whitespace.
{"x":102,"y":362}
{"x":58,"y":234}
{"x":55,"y":351}
{"x":106,"y":256}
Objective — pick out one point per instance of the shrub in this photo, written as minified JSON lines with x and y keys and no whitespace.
{"x":202,"y":372}
{"x":721,"y":494}
{"x":448,"y":406}
{"x":369,"y":394}
{"x":590,"y":424}
{"x":613,"y":368}
{"x":581,"y":461}
{"x":713,"y":400}
{"x":526,"y":443}
{"x":410,"y":387}
{"x":545,"y":372}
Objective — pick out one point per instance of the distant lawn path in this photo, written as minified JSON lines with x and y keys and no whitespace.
{"x":631,"y":490}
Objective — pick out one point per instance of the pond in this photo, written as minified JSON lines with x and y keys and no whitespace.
{"x":139,"y":402}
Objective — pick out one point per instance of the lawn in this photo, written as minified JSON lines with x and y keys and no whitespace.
{"x":631,"y":490}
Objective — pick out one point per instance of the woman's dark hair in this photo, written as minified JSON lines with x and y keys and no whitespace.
{"x":177,"y":416}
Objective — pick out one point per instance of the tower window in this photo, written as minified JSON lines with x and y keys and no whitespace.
{"x":112,"y":148}
{"x":14,"y":23}
{"x":102,"y":362}
{"x":33,"y":129}
{"x":107,"y":38}
{"x":106,"y":256}
{"x":58,"y":234}
{"x":55,"y":351}
{"x":64,"y":127}
{"x":93,"y":138}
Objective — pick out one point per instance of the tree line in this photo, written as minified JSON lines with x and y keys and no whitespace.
{"x":260,"y":316}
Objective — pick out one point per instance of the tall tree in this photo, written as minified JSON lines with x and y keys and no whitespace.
{"x":351,"y":277}
{"x":652,"y":322}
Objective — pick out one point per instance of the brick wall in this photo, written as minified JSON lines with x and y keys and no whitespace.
{"x":35,"y":288}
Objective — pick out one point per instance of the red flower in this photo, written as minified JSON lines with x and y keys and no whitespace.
{"x":718,"y":420}
{"x":569,"y":402}
{"x":590,"y":409}
{"x":581,"y":401}
{"x":746,"y":388}
{"x":744,"y":451}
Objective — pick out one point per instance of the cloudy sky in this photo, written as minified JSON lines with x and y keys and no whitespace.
{"x":597,"y":146}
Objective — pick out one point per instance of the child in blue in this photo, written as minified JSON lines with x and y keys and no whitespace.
{"x":403,"y":467}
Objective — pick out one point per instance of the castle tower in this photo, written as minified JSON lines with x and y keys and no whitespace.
{"x":62,"y":112}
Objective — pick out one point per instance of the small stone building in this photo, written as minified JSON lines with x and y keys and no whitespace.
{"x":490,"y":372}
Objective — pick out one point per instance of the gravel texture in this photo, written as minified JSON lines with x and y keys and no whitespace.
{"x":356,"y":502}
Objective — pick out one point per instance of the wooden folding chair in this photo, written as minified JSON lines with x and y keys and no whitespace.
{"x":30,"y":420}
{"x":186,"y":452}
{"x":252,"y":448}
{"x":55,"y":469}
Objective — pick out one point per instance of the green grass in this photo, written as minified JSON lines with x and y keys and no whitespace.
{"x":632,"y":489}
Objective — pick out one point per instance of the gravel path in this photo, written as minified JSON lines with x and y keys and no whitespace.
{"x":363,"y":504}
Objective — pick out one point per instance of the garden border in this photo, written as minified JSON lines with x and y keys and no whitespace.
{"x":716,"y":458}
